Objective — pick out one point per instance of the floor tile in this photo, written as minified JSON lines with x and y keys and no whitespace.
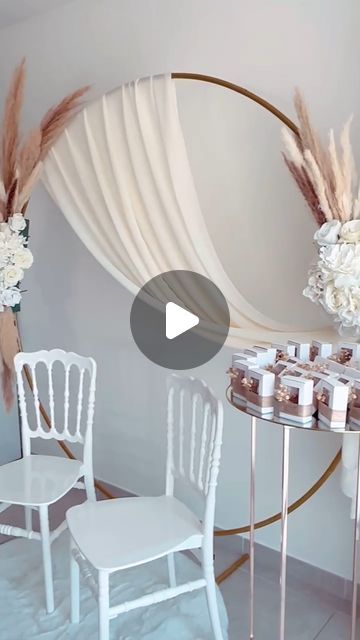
{"x":338,"y":628}
{"x":305,"y":617}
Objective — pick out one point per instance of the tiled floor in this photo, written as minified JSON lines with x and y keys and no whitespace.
{"x":311,"y":614}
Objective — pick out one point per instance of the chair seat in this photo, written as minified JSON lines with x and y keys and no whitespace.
{"x":115,"y":534}
{"x":36,"y":480}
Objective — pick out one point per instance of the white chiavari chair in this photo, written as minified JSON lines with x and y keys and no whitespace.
{"x":37,"y":481}
{"x":117,"y":534}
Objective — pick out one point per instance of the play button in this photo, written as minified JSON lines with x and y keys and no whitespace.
{"x":179,"y":319}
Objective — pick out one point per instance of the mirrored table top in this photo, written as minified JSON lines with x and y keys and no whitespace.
{"x":312,"y":425}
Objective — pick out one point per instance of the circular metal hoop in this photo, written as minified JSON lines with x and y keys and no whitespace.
{"x":334,"y":463}
{"x":289,"y":123}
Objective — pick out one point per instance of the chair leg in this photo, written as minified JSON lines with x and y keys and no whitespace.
{"x":28,"y":518}
{"x":75,"y":587}
{"x":171,"y":569}
{"x":104,"y":620}
{"x":208,"y":568}
{"x":90,"y":487}
{"x":46,"y":552}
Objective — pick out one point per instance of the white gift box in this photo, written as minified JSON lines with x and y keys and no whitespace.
{"x":354,"y":412}
{"x":286,"y":349}
{"x":351,"y":348}
{"x":346,"y":379}
{"x":297,"y":372}
{"x":323,"y":349}
{"x":241,"y":367}
{"x":351,"y":372}
{"x":302,"y":349}
{"x":270,"y":352}
{"x":332,"y":408}
{"x":243,"y":356}
{"x":283,"y":366}
{"x":260,"y":395}
{"x":337,"y":367}
{"x":299,"y":406}
{"x":264,"y":356}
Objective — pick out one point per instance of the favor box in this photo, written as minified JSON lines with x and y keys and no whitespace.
{"x":264,"y":356}
{"x":318,"y":377}
{"x":345,"y":379}
{"x":283,"y":350}
{"x":354,"y":412}
{"x":297,"y":371}
{"x":240,"y":378}
{"x":284,"y":366}
{"x":337,"y":367}
{"x":302,"y":349}
{"x":243,"y":356}
{"x":323,"y":349}
{"x":352,"y":373}
{"x":332,"y":403}
{"x":260,"y":392}
{"x":280,"y":367}
{"x":297,"y":401}
{"x":350,"y":351}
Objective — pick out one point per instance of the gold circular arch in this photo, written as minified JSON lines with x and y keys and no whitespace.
{"x":336,"y":460}
{"x":334,"y":463}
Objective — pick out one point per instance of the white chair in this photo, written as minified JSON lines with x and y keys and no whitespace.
{"x":117,"y":534}
{"x":36,"y":481}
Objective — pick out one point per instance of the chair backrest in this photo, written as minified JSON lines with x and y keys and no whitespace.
{"x":195,"y":424}
{"x":66,"y":386}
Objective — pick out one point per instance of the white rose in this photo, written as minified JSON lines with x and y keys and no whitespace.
{"x":4,"y":257}
{"x":23,"y":258}
{"x":350,"y":231}
{"x":10,"y":297}
{"x":342,"y":258}
{"x":334,"y":299}
{"x":12,"y":275}
{"x":346,"y":281}
{"x":17,"y":222}
{"x":328,"y":233}
{"x":15,"y":242}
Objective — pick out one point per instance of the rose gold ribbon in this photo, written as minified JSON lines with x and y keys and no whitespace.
{"x":355,"y":412}
{"x":260,"y":401}
{"x":302,"y":411}
{"x":331,"y":414}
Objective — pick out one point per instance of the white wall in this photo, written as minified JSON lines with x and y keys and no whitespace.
{"x":268,"y":46}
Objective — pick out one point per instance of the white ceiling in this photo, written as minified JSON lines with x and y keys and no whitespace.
{"x":12,"y":11}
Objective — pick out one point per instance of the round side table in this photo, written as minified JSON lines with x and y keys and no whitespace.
{"x":287,"y":427}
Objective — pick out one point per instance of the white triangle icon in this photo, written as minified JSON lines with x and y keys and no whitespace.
{"x":178,"y":320}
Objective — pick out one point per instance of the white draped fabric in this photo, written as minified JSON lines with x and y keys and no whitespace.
{"x":121,"y":175}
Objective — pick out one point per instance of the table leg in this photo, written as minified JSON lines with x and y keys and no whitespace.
{"x":356,"y":547}
{"x":252,"y":525}
{"x":284,"y":526}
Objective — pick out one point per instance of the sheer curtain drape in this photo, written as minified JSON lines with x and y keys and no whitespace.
{"x":121,"y":175}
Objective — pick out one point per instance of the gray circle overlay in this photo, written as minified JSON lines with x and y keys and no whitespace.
{"x":192,"y":292}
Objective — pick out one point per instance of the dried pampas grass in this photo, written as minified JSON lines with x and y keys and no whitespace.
{"x":11,"y":125}
{"x":29,"y":155}
{"x":56,"y":119}
{"x":322,"y":173}
{"x":21,"y":159}
{"x":21,"y":164}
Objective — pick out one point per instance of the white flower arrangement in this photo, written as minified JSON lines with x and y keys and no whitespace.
{"x":334,"y":281}
{"x":15,"y":257}
{"x":327,"y":178}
